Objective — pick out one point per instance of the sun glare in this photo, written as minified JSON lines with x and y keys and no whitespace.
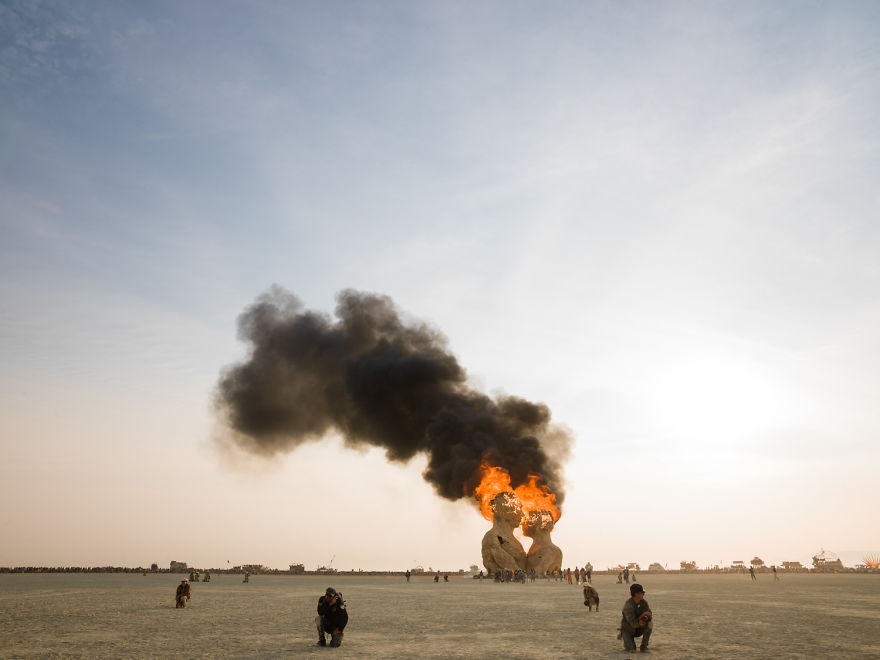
{"x":715,"y":398}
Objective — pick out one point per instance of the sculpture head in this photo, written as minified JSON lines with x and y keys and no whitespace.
{"x":537,"y":522}
{"x":506,"y":507}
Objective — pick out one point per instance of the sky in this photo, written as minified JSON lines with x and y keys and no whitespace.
{"x":658,"y":219}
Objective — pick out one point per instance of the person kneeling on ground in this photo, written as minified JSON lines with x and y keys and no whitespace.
{"x":182,"y":594}
{"x":636,"y":620}
{"x":332,"y":617}
{"x":591,"y":597}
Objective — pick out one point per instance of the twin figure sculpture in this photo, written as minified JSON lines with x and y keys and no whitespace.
{"x":502,"y":550}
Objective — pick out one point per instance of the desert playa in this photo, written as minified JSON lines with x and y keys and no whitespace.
{"x":696,"y":616}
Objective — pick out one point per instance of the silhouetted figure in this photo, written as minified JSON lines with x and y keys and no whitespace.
{"x":332,"y":617}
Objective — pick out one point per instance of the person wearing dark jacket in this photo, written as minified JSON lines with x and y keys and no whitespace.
{"x":182,"y":594}
{"x":332,"y":617}
{"x":636,"y":620}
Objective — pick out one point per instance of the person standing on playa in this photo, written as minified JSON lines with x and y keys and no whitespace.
{"x":332,"y":617}
{"x":407,"y":575}
{"x":182,"y":594}
{"x":775,"y":576}
{"x":637,"y":620}
{"x":752,"y":573}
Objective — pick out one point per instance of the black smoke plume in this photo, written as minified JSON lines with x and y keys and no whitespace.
{"x":382,"y":382}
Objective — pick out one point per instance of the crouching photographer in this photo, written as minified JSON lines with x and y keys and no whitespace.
{"x":637,"y":620}
{"x":332,"y":617}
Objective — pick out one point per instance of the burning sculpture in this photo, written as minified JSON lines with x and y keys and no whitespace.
{"x":531,"y":507}
{"x":501,"y":549}
{"x":379,"y":380}
{"x":543,"y":555}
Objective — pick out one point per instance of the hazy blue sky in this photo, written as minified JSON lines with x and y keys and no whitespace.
{"x":658,"y":218}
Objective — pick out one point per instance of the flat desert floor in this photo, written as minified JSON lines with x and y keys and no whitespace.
{"x":696,"y":616}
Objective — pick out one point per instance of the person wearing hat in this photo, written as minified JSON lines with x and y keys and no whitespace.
{"x":332,"y":617}
{"x":182,"y":594}
{"x":591,"y":597}
{"x":636,"y":620}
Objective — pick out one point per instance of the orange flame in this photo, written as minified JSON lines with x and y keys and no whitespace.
{"x":537,"y":497}
{"x":495,"y":480}
{"x":533,"y":496}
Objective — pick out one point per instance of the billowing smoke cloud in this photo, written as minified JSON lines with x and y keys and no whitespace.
{"x":382,"y":382}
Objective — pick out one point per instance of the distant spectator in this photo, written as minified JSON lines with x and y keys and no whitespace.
{"x":591,"y":597}
{"x":183,"y":593}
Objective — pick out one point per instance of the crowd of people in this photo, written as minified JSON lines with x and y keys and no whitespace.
{"x":636,"y":616}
